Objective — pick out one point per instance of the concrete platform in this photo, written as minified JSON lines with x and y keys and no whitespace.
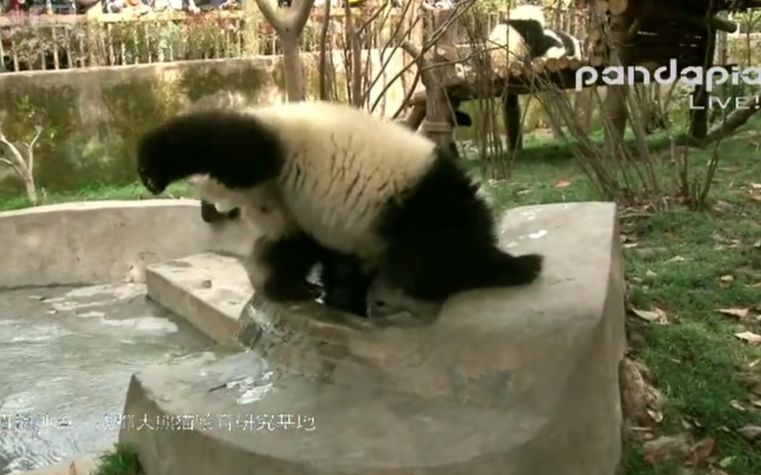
{"x":95,"y":242}
{"x":208,"y":289}
{"x":513,"y":381}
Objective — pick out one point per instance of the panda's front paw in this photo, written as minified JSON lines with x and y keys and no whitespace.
{"x":289,"y":291}
{"x":526,"y":268}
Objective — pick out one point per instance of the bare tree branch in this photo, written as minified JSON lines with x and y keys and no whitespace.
{"x":12,"y":151}
{"x":299,"y":19}
{"x":323,"y":50}
{"x":22,"y":168}
{"x":269,"y":14}
{"x":288,"y":28}
{"x":30,"y":150}
{"x":12,"y":165}
{"x":459,"y":10}
{"x":407,"y":96}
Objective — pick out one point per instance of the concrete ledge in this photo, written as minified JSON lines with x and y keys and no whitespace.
{"x":106,"y":241}
{"x":208,"y":290}
{"x":75,"y":466}
{"x":514,"y":381}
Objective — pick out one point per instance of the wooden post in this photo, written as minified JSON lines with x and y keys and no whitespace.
{"x":615,"y":97}
{"x":699,"y":115}
{"x":513,"y":126}
{"x":437,"y":124}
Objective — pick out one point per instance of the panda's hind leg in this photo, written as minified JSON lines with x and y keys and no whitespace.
{"x":439,"y":265}
{"x":345,"y":284}
{"x":440,"y":240}
{"x":278,"y":268}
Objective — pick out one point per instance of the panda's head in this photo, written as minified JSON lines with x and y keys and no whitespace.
{"x":175,"y":149}
{"x":153,"y":173}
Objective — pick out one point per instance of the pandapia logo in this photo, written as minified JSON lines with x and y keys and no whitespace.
{"x":691,"y":75}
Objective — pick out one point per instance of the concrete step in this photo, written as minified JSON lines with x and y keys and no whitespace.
{"x":505,"y":381}
{"x":207,"y":289}
{"x":242,"y":416}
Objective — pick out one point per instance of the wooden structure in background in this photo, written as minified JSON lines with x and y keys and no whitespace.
{"x":645,"y":33}
{"x":652,"y":32}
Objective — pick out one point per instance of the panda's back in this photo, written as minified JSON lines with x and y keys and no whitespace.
{"x":342,"y":167}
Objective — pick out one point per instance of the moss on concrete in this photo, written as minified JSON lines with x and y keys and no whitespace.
{"x":93,"y":119}
{"x":24,"y":107}
{"x":199,"y":82}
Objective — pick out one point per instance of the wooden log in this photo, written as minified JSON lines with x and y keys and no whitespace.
{"x":670,"y":14}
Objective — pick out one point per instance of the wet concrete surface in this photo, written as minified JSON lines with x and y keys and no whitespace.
{"x":66,"y":358}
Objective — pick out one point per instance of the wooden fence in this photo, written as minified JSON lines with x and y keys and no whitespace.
{"x":44,"y":42}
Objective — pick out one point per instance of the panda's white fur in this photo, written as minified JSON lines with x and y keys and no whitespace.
{"x":344,"y":214}
{"x":563,"y":51}
{"x":511,"y":45}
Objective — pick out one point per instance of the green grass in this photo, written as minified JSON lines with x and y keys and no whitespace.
{"x":122,"y":460}
{"x":134,"y":191}
{"x":676,"y":265}
{"x":695,"y":359}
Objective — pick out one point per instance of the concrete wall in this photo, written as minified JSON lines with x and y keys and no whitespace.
{"x":93,"y":116}
{"x":107,"y":241}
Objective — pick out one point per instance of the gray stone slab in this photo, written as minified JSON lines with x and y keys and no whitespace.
{"x":96,"y":242}
{"x":208,"y":289}
{"x":504,"y":381}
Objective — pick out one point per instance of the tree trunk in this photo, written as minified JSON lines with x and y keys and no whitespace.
{"x":289,"y":30}
{"x":324,"y":80}
{"x":294,"y":74}
{"x":735,"y":120}
{"x":699,"y":116}
{"x":615,"y":98}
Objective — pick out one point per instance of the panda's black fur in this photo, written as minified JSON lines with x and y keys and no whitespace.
{"x":414,"y":216}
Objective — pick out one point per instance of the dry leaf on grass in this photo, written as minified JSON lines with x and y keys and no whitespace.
{"x":727,"y":278}
{"x":676,"y":259}
{"x":735,"y":312}
{"x":666,"y":448}
{"x":750,"y":432}
{"x":750,"y":337}
{"x":702,"y":450}
{"x":656,"y":416}
{"x":560,"y":184}
{"x":656,"y":315}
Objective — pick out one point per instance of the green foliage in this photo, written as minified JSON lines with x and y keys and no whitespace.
{"x":126,"y":42}
{"x":677,"y":265}
{"x":121,"y":461}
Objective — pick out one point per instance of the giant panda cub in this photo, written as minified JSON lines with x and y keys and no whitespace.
{"x":334,"y":185}
{"x":523,"y":36}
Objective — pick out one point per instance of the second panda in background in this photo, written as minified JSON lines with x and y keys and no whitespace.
{"x":329,"y":182}
{"x":523,"y":36}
